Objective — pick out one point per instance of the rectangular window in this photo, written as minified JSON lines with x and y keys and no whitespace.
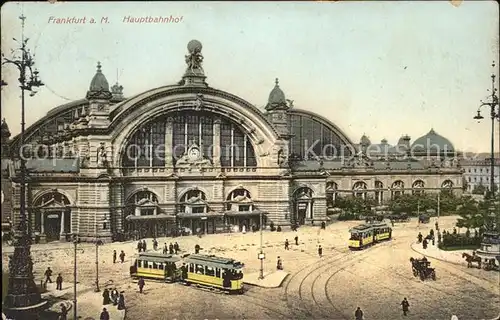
{"x":191,"y":267}
{"x":243,"y":208}
{"x":209,"y":271}
{"x":160,"y":266}
{"x":217,"y":272}
{"x":155,"y":265}
{"x":200,"y":269}
{"x":198,"y":209}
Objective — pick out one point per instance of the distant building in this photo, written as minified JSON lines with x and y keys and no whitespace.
{"x":189,"y":155}
{"x":477,"y":174}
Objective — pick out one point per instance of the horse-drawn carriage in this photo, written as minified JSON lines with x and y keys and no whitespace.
{"x":422,"y":269}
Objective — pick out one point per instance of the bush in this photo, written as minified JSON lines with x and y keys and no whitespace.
{"x":459,"y":240}
{"x":344,"y":216}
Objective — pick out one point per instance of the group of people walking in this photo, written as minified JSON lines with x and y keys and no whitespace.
{"x":111,"y":297}
{"x":172,"y":248}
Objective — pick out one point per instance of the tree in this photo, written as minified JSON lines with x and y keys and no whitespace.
{"x":479,"y":189}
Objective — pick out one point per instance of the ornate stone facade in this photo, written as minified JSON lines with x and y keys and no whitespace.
{"x":191,"y":156}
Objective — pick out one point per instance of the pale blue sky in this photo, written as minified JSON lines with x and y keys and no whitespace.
{"x":343,"y":60}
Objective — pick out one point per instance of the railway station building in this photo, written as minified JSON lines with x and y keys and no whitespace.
{"x":189,"y":155}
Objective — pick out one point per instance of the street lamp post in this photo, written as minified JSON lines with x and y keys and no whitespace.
{"x":75,"y":243}
{"x":261,"y":254}
{"x":494,"y":114}
{"x":23,"y":298}
{"x":104,"y":226}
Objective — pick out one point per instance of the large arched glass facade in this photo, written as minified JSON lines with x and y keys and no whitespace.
{"x":147,"y":146}
{"x":310,"y":134}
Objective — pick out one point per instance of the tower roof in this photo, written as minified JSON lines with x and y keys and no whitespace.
{"x":99,"y":86}
{"x":5,"y":130}
{"x":277,"y":98}
{"x":433,"y":143}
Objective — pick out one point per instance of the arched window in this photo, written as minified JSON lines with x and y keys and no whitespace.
{"x":146,"y":147}
{"x":142,"y":203}
{"x":193,"y":201}
{"x":52,"y":215}
{"x":379,"y":191}
{"x":418,"y":187}
{"x":310,"y":134}
{"x":447,"y":186}
{"x":240,"y":200}
{"x":359,"y":189}
{"x":303,"y":208}
{"x":397,"y":189}
{"x":331,"y":194}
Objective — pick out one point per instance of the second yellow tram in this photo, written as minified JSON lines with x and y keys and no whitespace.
{"x":365,"y":235}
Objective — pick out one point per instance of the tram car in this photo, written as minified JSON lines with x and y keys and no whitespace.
{"x":365,"y":235}
{"x":206,"y":271}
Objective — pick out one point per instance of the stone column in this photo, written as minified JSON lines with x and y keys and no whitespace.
{"x":216,"y":149}
{"x":62,"y":225}
{"x":42,"y":222}
{"x":309,"y":210}
{"x":169,"y":142}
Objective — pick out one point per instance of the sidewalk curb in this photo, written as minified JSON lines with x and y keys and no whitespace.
{"x":439,"y":259}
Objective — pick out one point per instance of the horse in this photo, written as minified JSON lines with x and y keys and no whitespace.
{"x":470,"y":259}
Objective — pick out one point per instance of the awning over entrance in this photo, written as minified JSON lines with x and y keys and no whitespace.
{"x":151,"y":217}
{"x":244,"y":213}
{"x":209,"y":214}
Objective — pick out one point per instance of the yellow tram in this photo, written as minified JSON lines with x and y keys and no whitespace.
{"x":157,"y":266}
{"x":365,"y":235}
{"x":201,"y":270}
{"x":215,"y":272}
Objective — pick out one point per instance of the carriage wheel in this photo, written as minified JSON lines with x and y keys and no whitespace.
{"x":433,"y":275}
{"x":422,"y":276}
{"x":415,"y":273}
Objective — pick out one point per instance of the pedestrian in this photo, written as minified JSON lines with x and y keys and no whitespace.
{"x":296,"y":240}
{"x":122,"y":257}
{"x":59,"y":281}
{"x":121,"y":302}
{"x":419,"y":237}
{"x":437,"y":225}
{"x":165,"y":248}
{"x":320,"y":251}
{"x":104,"y":314}
{"x":279,"y":264}
{"x":155,"y":244}
{"x":144,"y":246}
{"x":197,"y":249}
{"x":114,"y":296}
{"x":141,"y":284}
{"x":176,"y":247}
{"x":114,"y":256}
{"x":406,"y":305}
{"x":64,"y":313}
{"x":358,"y":314}
{"x":139,"y":246}
{"x":323,"y":225}
{"x":171,"y":248}
{"x":287,"y":245}
{"x":48,"y":274}
{"x":105,"y":297}
{"x":424,"y":244}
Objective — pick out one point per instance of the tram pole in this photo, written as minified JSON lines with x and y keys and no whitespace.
{"x":261,"y":255}
{"x":75,"y":243}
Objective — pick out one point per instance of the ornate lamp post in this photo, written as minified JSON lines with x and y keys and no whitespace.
{"x":23,"y":299}
{"x":494,"y":114}
{"x":104,"y":227}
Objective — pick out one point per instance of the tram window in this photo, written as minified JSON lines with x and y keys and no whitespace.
{"x":139,"y":264}
{"x":155,"y":265}
{"x":209,"y":271}
{"x":354,"y":236}
{"x":160,"y":266}
{"x":217,"y":272}
{"x":200,"y":269}
{"x":191,"y":267}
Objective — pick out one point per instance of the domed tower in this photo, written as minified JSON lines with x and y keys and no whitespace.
{"x":99,"y":98}
{"x":364,"y":143}
{"x":277,"y":108}
{"x":434,"y":147}
{"x":5,"y":139}
{"x":117,"y":93}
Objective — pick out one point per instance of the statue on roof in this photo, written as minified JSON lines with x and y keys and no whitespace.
{"x":194,"y":59}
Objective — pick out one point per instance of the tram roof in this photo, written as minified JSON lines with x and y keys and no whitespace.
{"x":158,"y":257}
{"x":212,"y":260}
{"x":361,"y":227}
{"x":380,"y":225}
